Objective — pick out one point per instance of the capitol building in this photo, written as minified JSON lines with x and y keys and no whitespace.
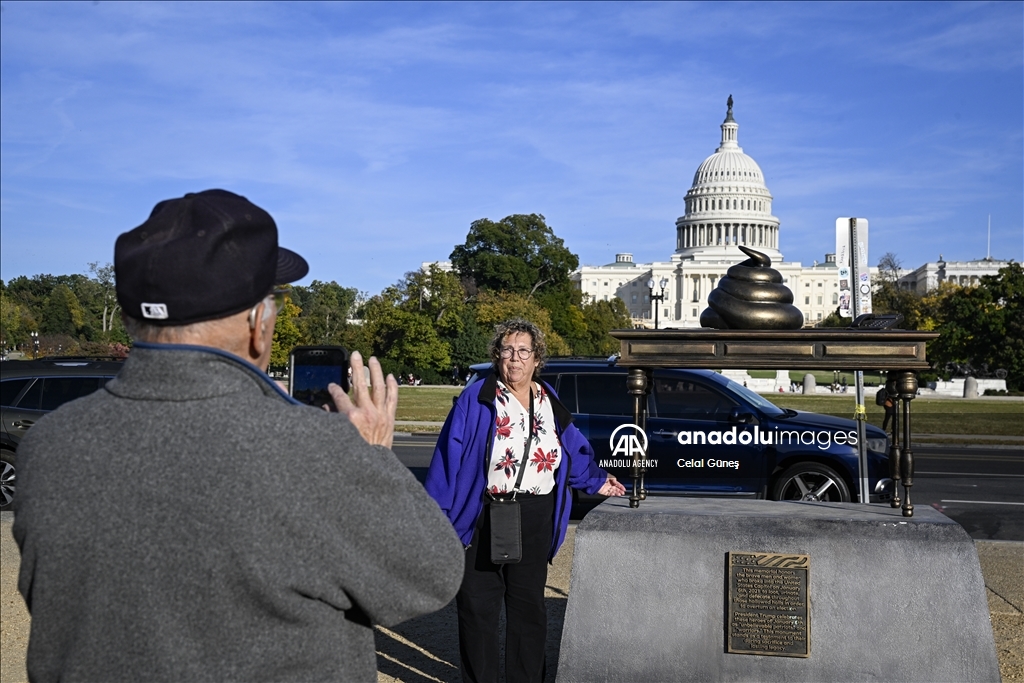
{"x":729,"y":205}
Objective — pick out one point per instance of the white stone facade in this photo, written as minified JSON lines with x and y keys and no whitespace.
{"x":964,"y":273}
{"x":729,"y":205}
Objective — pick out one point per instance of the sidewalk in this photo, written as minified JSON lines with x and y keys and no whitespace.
{"x":426,"y":649}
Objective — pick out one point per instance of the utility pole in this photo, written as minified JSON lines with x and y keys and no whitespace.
{"x":855,"y":278}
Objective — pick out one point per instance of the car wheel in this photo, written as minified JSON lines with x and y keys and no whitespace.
{"x":811,"y":481}
{"x":7,"y":479}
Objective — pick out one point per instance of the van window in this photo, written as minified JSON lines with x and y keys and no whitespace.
{"x":603,"y":395}
{"x":565,"y":387}
{"x":10,"y":388}
{"x":50,"y":393}
{"x":685,"y":399}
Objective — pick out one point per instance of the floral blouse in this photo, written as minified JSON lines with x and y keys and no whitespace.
{"x":510,"y":434}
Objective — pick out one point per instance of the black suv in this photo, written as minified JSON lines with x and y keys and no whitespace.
{"x":30,"y":389}
{"x":710,"y":436}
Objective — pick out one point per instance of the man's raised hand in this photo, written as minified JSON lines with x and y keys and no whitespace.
{"x":372,"y":413}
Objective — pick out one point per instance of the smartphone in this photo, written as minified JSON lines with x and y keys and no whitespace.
{"x":312,"y":368}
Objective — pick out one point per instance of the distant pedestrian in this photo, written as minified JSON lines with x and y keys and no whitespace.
{"x":887,"y":401}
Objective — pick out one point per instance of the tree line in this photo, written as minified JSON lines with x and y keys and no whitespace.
{"x":981,"y":328}
{"x":435,"y":323}
{"x":432,"y":323}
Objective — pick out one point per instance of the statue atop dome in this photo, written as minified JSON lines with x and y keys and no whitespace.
{"x":727,"y":205}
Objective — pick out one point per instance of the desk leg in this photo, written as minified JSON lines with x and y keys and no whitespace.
{"x":637,"y":385}
{"x":907,"y":386}
{"x":894,"y":444}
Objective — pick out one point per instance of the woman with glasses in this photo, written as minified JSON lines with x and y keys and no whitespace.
{"x":509,"y":439}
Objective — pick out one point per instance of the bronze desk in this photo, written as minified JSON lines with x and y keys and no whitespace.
{"x":900,"y":352}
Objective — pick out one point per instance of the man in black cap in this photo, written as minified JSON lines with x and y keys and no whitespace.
{"x":190,"y":521}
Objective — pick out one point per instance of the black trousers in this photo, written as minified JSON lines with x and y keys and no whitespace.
{"x":485,"y":586}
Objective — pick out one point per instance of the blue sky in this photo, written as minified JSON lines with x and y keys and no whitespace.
{"x":376,"y":133}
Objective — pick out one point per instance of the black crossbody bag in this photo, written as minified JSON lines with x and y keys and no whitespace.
{"x":506,"y":527}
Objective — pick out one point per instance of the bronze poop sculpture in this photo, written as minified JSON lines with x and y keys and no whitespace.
{"x":752,"y":297}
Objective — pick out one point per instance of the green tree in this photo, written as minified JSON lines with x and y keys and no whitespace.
{"x":104,"y":278}
{"x":436,"y":294}
{"x":470,"y":345}
{"x":406,"y":338}
{"x":31,"y":292}
{"x":564,"y":305}
{"x":519,"y":253}
{"x":439,"y":296}
{"x":888,"y":297}
{"x":983,"y":326}
{"x":599,"y":318}
{"x":287,"y":336}
{"x":62,"y":313}
{"x":326,"y":307}
{"x":492,"y":309}
{"x":833,"y":319}
{"x":34,"y":293}
{"x":13,"y":330}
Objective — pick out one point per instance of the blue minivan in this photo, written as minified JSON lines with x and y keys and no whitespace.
{"x":710,"y":436}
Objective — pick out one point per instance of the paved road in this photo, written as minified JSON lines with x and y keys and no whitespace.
{"x":981,"y":488}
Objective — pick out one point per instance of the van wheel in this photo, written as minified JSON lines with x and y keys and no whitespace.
{"x":813,"y":482}
{"x":7,"y":479}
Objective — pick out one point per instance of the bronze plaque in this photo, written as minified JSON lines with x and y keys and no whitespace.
{"x":768,"y":610}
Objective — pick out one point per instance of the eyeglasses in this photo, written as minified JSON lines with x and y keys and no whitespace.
{"x":523,"y":353}
{"x":279,"y":296}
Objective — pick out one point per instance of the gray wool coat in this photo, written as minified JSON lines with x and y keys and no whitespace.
{"x":190,"y":523}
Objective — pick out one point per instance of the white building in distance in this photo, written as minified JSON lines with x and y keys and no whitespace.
{"x":964,"y":273}
{"x":729,"y":205}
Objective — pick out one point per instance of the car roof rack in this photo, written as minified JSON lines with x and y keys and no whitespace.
{"x":81,"y":359}
{"x":53,"y":358}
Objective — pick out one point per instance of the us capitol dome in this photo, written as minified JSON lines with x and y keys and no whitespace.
{"x":728,"y":205}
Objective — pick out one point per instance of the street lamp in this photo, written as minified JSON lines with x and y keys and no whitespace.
{"x":657,"y":297}
{"x":35,"y":344}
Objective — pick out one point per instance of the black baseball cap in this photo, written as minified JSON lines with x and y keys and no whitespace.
{"x":204,"y":256}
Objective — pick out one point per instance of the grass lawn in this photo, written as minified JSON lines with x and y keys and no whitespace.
{"x":821,"y":377}
{"x":428,"y":404}
{"x":927,"y":416}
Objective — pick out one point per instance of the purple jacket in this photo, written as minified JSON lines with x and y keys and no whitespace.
{"x":457,"y":477}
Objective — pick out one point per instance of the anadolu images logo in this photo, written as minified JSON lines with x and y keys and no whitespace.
{"x":629,"y":443}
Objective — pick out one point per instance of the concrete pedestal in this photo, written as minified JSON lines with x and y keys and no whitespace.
{"x":891,"y":599}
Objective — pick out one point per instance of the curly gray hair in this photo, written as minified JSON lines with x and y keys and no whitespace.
{"x":517,"y":325}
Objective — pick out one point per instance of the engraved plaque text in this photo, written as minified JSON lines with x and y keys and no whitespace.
{"x":768,"y":604}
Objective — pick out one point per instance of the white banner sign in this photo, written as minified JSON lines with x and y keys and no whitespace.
{"x":853,"y":271}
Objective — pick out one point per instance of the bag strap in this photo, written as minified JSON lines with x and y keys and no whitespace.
{"x":526,"y":448}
